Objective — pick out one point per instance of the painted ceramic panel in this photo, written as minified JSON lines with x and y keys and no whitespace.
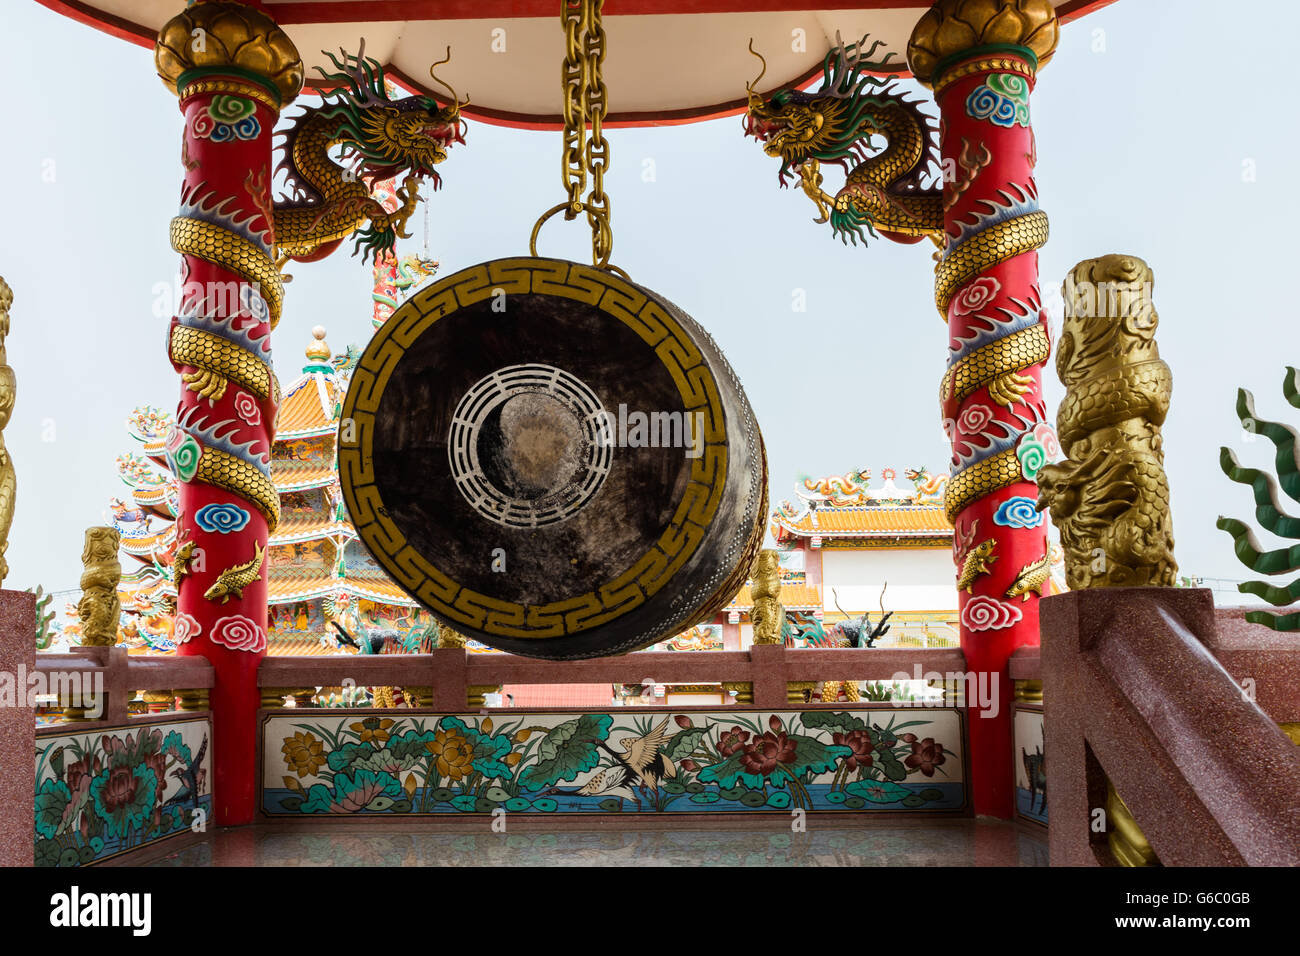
{"x":1031,"y":766}
{"x":730,"y":761}
{"x":702,"y":637}
{"x":100,"y":793}
{"x":296,"y":618}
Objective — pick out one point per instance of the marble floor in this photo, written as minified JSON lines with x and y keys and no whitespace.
{"x":939,"y":843}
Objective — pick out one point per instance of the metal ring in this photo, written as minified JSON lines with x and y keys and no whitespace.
{"x":601,"y":263}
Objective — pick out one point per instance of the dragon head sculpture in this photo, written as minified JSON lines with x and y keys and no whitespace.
{"x":330,"y":196}
{"x":843,"y":124}
{"x":829,"y":125}
{"x":388,"y":136}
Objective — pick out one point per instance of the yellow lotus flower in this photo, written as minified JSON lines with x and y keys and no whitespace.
{"x":303,"y":754}
{"x":373,"y":728}
{"x":453,"y":752}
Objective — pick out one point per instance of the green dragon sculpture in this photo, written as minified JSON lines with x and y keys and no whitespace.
{"x":1267,"y":510}
{"x":382,"y":137}
{"x":883,"y":192}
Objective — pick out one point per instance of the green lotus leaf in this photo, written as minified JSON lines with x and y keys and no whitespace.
{"x":684,"y":742}
{"x":831,"y":720}
{"x":52,"y":798}
{"x":878,"y":791}
{"x":567,"y":750}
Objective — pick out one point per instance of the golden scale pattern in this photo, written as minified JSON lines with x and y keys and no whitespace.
{"x":980,"y":479}
{"x":224,"y":360}
{"x":224,"y":470}
{"x":610,"y":600}
{"x":993,"y":361}
{"x":222,"y":247}
{"x":984,"y":250}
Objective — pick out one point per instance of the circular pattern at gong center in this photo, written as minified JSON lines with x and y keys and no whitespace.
{"x":529,"y":445}
{"x":494,"y":502}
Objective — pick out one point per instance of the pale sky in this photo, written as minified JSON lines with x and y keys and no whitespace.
{"x":1162,"y":132}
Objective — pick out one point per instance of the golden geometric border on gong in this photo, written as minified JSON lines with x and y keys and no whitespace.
{"x":437,"y":590}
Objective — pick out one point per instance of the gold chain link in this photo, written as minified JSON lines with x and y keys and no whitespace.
{"x":585,"y":97}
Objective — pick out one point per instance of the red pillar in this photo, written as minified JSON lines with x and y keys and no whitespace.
{"x":981,"y":60}
{"x":232,"y":69}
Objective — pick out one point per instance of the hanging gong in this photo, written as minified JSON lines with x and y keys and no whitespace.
{"x":553,"y":460}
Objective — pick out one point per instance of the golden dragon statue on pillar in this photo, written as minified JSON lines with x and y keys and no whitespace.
{"x":1110,"y":498}
{"x":334,"y":156}
{"x":327,"y":202}
{"x":883,"y":191}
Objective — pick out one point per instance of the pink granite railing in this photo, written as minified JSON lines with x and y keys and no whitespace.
{"x":1178,"y":708}
{"x":1026,"y":664}
{"x":119,"y":675}
{"x":769,"y":668}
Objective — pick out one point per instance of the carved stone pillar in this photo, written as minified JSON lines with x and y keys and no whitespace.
{"x":981,"y":58}
{"x":233,"y":70}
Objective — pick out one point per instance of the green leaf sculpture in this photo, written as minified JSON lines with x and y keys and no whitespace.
{"x":44,"y":618}
{"x":1268,"y":512}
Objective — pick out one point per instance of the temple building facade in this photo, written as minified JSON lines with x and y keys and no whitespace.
{"x":319,"y":573}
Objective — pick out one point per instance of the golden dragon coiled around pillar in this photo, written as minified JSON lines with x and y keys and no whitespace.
{"x":884,"y":191}
{"x":382,"y":138}
{"x":1110,"y":498}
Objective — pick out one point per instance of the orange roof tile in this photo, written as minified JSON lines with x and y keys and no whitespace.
{"x":307,"y":407}
{"x":284,"y":587}
{"x":867,"y":521}
{"x":298,"y":647}
{"x":794,"y":597}
{"x":294,"y":587}
{"x":304,"y":527}
{"x":378,"y":590}
{"x":293,"y":475}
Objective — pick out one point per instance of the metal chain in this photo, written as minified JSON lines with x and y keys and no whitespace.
{"x":584,"y":101}
{"x":597,"y":148}
{"x":573,"y":78}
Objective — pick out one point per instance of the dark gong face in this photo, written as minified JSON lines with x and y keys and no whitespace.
{"x":531,"y":447}
{"x":552,"y":460}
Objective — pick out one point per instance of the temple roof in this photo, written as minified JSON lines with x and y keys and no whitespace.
{"x":866,"y":521}
{"x":286,"y":585}
{"x":793,"y":597}
{"x":309,"y":405}
{"x":289,"y":475}
{"x":294,"y":528}
{"x":848,"y":506}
